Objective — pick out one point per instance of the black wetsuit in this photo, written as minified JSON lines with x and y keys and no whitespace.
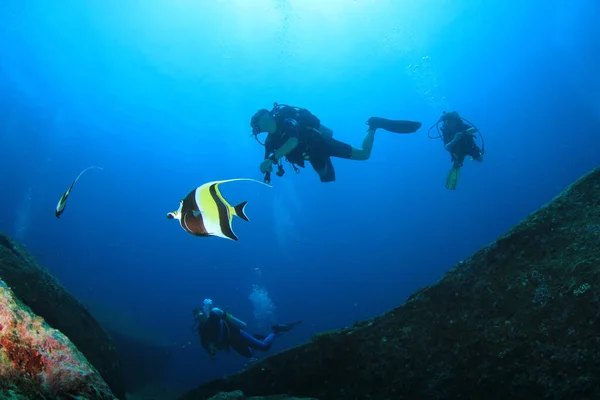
{"x":312,"y":146}
{"x":465,"y":146}
{"x":221,"y":332}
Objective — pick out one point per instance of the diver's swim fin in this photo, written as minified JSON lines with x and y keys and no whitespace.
{"x":452,"y":179}
{"x":284,"y":327}
{"x":395,"y":126}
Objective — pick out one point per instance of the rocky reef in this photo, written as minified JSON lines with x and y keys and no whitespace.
{"x":36,"y":288}
{"x":238,"y":395}
{"x":39,"y":362}
{"x":518,"y":319}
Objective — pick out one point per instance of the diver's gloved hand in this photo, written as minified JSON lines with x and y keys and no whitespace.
{"x":464,"y":134}
{"x":266,"y":166}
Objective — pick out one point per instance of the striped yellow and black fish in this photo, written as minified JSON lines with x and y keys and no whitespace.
{"x":205,"y":212}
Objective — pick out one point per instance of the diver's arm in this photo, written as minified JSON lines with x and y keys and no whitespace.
{"x":205,"y":344}
{"x":453,"y":142}
{"x":210,"y":350}
{"x":286,"y":148}
{"x":458,"y":136}
{"x":289,"y":130}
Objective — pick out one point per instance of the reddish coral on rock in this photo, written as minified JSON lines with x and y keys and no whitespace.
{"x":37,"y":361}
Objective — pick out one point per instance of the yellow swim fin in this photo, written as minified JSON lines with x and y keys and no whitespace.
{"x":452,"y":179}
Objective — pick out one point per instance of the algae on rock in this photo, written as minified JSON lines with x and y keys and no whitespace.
{"x":42,"y":293}
{"x":39,"y":362}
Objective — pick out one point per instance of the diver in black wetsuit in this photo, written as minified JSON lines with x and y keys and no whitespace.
{"x":299,"y":136}
{"x":458,"y":136}
{"x":219,"y":330}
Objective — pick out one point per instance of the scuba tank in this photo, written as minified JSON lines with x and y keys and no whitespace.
{"x":305,"y":118}
{"x":280,"y":112}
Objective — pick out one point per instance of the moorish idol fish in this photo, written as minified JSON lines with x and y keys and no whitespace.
{"x":205,"y":212}
{"x":62,"y":203}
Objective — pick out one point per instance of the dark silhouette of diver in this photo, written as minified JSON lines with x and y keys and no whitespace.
{"x":219,"y":330}
{"x":298,"y":136}
{"x":458,"y":135}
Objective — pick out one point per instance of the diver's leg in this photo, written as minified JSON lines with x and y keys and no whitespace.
{"x":454,"y":174}
{"x":364,"y":153}
{"x":239,"y":343}
{"x":374,"y":123}
{"x":242,"y":350}
{"x":257,"y":344}
{"x":453,"y":177}
{"x":336,"y":148}
{"x":324,"y":168}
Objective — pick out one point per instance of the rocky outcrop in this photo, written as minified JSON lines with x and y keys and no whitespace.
{"x":518,"y":319}
{"x":39,"y":362}
{"x":238,"y":395}
{"x":40,"y":291}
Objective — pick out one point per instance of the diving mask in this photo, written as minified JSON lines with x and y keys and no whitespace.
{"x":255,"y":121}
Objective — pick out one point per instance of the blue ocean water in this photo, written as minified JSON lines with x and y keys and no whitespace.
{"x":160,"y":94}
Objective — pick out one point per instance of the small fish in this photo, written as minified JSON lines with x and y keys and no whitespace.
{"x":205,"y":212}
{"x":62,"y":203}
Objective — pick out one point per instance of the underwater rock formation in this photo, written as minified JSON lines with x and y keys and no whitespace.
{"x":33,"y":285}
{"x":39,"y":362}
{"x":518,"y":319}
{"x":238,"y":395}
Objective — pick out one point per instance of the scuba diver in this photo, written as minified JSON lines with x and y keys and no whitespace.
{"x":219,"y":330}
{"x":458,"y":135}
{"x":297,"y":135}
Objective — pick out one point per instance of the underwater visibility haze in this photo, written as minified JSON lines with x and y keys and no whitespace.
{"x":159,"y":94}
